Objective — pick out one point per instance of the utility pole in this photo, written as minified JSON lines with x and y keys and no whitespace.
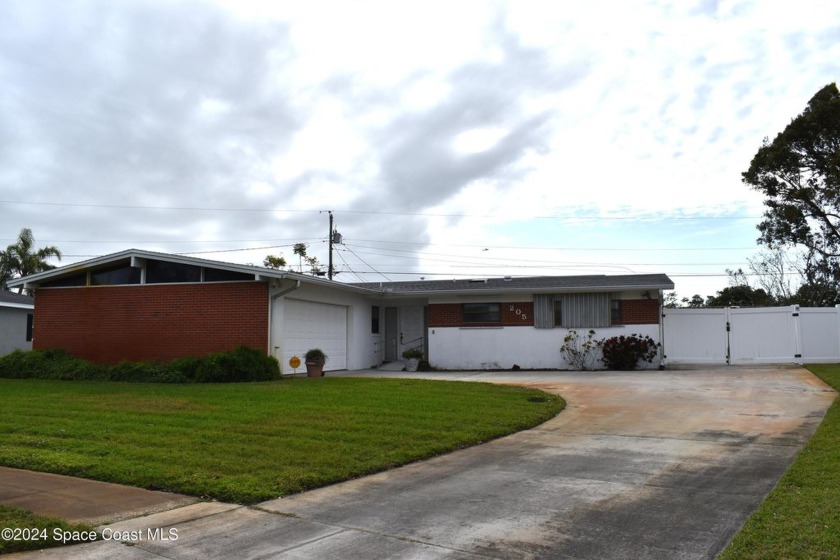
{"x":330,"y":268}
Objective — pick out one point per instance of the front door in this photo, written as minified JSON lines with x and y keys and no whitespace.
{"x":412,"y":328}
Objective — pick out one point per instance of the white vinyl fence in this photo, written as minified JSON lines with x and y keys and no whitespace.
{"x":759,"y":335}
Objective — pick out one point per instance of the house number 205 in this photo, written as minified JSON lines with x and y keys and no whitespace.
{"x":518,"y":312}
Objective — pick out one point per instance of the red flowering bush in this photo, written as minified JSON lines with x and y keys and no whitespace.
{"x":625,"y":352}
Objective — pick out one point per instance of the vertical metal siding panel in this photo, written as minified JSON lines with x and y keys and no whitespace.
{"x":601,"y":307}
{"x":543,"y":311}
{"x":586,"y":310}
{"x":570,"y":313}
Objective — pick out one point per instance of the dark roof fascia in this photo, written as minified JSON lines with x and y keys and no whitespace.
{"x":497,"y":291}
{"x":259,"y":273}
{"x":393,"y":290}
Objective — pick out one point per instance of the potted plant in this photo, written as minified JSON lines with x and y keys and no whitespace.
{"x":315,"y":360}
{"x":412,"y":358}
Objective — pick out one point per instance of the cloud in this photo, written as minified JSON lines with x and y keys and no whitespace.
{"x":420,"y":165}
{"x":134,"y":103}
{"x":429,"y":123}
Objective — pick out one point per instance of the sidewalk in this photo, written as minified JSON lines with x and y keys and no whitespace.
{"x":80,"y":500}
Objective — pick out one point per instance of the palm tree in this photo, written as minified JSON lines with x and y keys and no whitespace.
{"x":19,"y":259}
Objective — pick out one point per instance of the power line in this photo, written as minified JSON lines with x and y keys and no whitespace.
{"x":170,"y":242}
{"x":232,"y":250}
{"x":349,"y":270}
{"x":529,"y":248}
{"x":649,"y":218}
{"x":367,"y":264}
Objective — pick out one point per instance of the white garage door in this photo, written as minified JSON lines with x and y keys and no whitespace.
{"x":314,"y":325}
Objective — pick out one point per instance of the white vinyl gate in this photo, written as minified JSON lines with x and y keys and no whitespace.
{"x":767,"y":335}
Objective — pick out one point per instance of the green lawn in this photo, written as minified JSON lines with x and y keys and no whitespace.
{"x":248,"y":442}
{"x":27,"y":531}
{"x":801,"y":516}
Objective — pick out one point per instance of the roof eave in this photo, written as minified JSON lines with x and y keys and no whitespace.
{"x":17,"y":305}
{"x":260,"y":274}
{"x":547,"y":290}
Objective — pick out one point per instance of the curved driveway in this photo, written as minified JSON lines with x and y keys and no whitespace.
{"x":639,"y":465}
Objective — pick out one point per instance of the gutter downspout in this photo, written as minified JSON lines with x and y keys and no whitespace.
{"x":271,"y":301}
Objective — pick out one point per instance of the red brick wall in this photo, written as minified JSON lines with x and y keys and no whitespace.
{"x":152,"y":322}
{"x":452,"y":315}
{"x":639,"y":312}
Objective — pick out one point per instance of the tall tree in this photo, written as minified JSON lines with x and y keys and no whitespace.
{"x":279,"y":261}
{"x":742,"y":295}
{"x":314,"y":265}
{"x":819,"y":286}
{"x":274,"y":261}
{"x":22,"y":259}
{"x":776,"y":273}
{"x":799,"y":174}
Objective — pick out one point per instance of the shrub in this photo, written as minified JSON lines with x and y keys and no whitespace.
{"x":186,"y":367}
{"x":579,"y":353}
{"x":49,"y":364}
{"x":139,"y":372}
{"x":413,"y":354}
{"x":625,"y":352}
{"x":315,"y":355}
{"x":242,"y":364}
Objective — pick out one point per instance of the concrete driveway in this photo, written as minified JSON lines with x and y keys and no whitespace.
{"x":640,"y":465}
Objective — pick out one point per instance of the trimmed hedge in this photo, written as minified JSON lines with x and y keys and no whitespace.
{"x":242,"y":364}
{"x":49,"y":364}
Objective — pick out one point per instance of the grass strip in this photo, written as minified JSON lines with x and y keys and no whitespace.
{"x":21,"y":530}
{"x":246,"y":443}
{"x":800,"y":518}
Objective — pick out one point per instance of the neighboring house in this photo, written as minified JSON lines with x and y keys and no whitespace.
{"x":16,"y":316}
{"x":142,"y":305}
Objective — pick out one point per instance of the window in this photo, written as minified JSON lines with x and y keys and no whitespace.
{"x":79,"y":279}
{"x":115,"y":275}
{"x":161,"y":272}
{"x":30,"y":323}
{"x":558,"y":312}
{"x":482,"y":313}
{"x":374,"y":319}
{"x":219,"y":275}
{"x":615,"y":311}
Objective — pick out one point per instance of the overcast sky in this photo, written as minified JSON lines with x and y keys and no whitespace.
{"x":448,"y":138}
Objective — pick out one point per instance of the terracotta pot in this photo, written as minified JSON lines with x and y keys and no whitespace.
{"x":315,"y":369}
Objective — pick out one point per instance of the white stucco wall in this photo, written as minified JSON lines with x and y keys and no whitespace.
{"x":502,"y":347}
{"x":364,"y":349}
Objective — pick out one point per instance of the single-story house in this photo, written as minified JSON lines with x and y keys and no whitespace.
{"x":143,"y":305}
{"x":16,"y":315}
